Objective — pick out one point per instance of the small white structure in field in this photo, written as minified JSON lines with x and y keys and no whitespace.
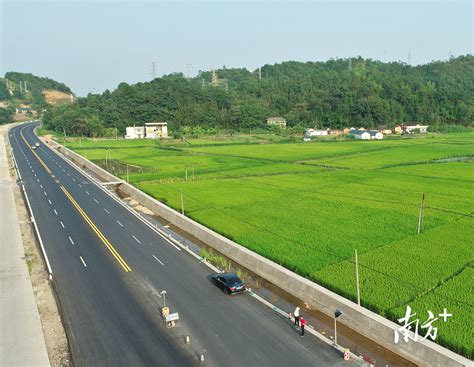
{"x":155,"y":130}
{"x":315,"y":132}
{"x":134,"y":132}
{"x":423,"y":129}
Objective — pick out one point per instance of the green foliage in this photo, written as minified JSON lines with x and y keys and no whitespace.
{"x":6,"y":114}
{"x":35,"y":83}
{"x":308,"y":206}
{"x":322,"y":94}
{"x":4,"y":94}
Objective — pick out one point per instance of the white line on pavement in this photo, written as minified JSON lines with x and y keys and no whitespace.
{"x":49,"y":201}
{"x":120,"y":224}
{"x":136,"y":239}
{"x":80,"y":185}
{"x":62,"y":224}
{"x":55,"y":212}
{"x":87,"y":192}
{"x":45,"y":194}
{"x":96,"y":201}
{"x":158,"y":260}
{"x":106,"y":211}
{"x":83,"y":262}
{"x":70,"y":239}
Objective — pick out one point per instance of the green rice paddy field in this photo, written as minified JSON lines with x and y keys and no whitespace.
{"x":308,"y":206}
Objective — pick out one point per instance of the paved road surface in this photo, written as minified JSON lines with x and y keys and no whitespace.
{"x":109,"y":269}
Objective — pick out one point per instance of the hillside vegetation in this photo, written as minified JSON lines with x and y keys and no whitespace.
{"x":24,"y":89}
{"x":335,"y":94}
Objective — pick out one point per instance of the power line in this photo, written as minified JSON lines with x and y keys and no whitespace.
{"x":341,"y":258}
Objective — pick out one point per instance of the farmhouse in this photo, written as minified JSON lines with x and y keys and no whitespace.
{"x":384,"y":129}
{"x":398,"y":129}
{"x":134,"y":132}
{"x":278,"y":121}
{"x":366,"y":134}
{"x":315,"y":132}
{"x":360,"y":134}
{"x":423,"y":129}
{"x":155,"y":130}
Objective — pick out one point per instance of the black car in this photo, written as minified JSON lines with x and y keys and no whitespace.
{"x":230,"y":283}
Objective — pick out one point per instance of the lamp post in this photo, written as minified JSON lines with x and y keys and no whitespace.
{"x":337,"y":313}
{"x":163,"y":293}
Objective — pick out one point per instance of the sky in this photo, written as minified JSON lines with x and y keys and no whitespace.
{"x":95,"y":45}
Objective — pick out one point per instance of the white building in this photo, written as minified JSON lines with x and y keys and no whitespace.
{"x":315,"y":132}
{"x":374,"y":134}
{"x":423,"y":129}
{"x":134,"y":132}
{"x":366,"y":134}
{"x":156,"y":130}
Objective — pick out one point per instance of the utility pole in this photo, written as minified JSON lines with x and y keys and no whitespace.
{"x":357,"y":278}
{"x":182,"y":202}
{"x":128,"y":178}
{"x":350,"y":63}
{"x":421,"y":214}
{"x":189,"y":70}
{"x":259,"y":73}
{"x":21,"y":87}
{"x":26,"y":89}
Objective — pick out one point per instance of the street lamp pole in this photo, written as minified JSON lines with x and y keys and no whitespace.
{"x":337,"y":313}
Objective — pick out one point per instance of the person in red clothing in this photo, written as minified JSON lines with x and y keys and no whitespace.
{"x":303,"y":323}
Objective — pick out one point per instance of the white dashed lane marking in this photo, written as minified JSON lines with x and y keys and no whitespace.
{"x":70,"y":240}
{"x":97,"y":201}
{"x":120,"y":224}
{"x":106,"y":211}
{"x":136,"y":239}
{"x":55,"y":212}
{"x":62,"y":224}
{"x":83,"y":262}
{"x":158,"y":260}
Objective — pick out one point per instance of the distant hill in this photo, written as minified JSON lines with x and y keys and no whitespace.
{"x":333,"y":94}
{"x":27,"y":90}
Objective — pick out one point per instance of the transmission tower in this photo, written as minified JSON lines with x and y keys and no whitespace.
{"x":153,"y":70}
{"x":189,"y":70}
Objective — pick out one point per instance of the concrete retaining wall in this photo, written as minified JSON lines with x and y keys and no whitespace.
{"x":363,"y":321}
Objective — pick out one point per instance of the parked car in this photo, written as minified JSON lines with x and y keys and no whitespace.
{"x":37,"y":144}
{"x":33,"y":147}
{"x":230,"y":283}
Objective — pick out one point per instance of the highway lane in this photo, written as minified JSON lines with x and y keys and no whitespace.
{"x":231,"y":330}
{"x":106,"y":324}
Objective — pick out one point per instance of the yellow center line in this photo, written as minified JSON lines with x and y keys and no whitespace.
{"x":101,"y":236}
{"x":106,"y":242}
{"x":36,"y":154}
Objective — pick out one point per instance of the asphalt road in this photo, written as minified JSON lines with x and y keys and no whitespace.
{"x":109,"y":268}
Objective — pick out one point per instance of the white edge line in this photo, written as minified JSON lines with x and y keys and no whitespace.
{"x":163,"y":235}
{"x":43,"y":250}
